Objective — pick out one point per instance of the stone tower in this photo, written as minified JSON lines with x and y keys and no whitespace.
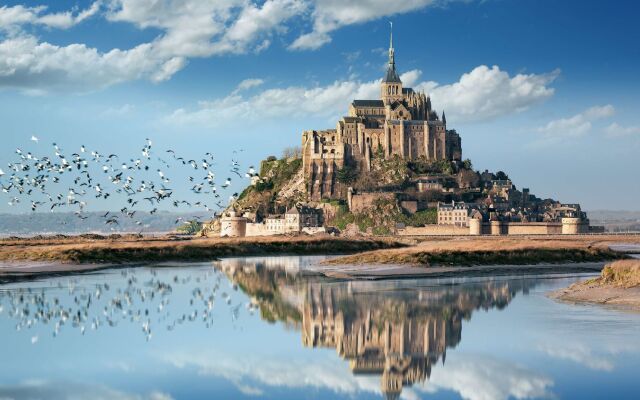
{"x":391,"y":88}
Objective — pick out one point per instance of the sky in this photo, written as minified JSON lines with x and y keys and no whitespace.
{"x":546,"y":91}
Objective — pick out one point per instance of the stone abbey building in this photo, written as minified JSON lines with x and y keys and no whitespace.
{"x":401,"y":123}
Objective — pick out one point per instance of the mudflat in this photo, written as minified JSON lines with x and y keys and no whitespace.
{"x":485,"y":250}
{"x":94,"y":249}
{"x":428,"y":256}
{"x":618,"y":285}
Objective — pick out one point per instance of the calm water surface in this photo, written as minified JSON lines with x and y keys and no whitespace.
{"x":262,"y":328}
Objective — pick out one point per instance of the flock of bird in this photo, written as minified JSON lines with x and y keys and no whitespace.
{"x":142,"y":298}
{"x":72,"y":180}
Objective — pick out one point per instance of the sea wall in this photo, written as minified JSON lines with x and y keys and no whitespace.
{"x":433,"y":230}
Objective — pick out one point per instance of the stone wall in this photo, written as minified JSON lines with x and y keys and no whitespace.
{"x":363,"y":201}
{"x":433,"y":230}
{"x":515,"y":228}
{"x":533,"y":228}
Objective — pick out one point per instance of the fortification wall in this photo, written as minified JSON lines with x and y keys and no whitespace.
{"x":433,"y":230}
{"x":525,"y":228}
{"x":258,"y":229}
{"x":362,"y":201}
{"x":533,"y":228}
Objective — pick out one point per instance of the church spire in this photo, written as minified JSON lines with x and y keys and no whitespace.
{"x":444,"y":119}
{"x":392,"y":59}
{"x":392,"y":75}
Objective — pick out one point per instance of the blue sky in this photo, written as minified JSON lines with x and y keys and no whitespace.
{"x":545,"y":90}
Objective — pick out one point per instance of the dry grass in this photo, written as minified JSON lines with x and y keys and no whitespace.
{"x":137,"y":249}
{"x":486,"y":250}
{"x":463,"y":250}
{"x":623,"y":273}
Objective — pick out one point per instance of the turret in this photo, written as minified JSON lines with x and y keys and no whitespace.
{"x":444,"y":119}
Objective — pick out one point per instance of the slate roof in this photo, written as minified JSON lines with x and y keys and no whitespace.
{"x":368,"y":103}
{"x":392,"y":76}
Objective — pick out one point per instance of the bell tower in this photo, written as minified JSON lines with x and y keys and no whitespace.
{"x":391,"y":87}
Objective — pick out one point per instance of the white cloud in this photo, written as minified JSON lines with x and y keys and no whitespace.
{"x":12,"y":18}
{"x":249,"y":83}
{"x":190,"y":28}
{"x":481,"y":94}
{"x":575,"y":126}
{"x":26,"y":63}
{"x":486,"y":93}
{"x":615,"y":130}
{"x":330,"y":15}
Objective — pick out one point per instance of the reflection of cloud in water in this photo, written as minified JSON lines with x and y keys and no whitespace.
{"x":477,"y":377}
{"x":578,"y":353}
{"x":472,"y":377}
{"x":247,"y":373}
{"x":36,"y":389}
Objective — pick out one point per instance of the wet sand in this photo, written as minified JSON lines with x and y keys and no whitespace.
{"x":394,"y":271}
{"x":594,"y":294}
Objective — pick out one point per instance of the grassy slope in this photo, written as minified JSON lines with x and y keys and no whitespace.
{"x":620,"y":274}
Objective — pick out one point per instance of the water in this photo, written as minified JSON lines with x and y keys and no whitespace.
{"x":263,"y":328}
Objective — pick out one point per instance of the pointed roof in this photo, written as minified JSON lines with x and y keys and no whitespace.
{"x":391,"y":76}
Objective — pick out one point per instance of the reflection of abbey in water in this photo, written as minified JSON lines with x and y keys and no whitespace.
{"x":388,"y":329}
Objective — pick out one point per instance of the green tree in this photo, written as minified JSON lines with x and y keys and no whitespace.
{"x":190,"y":227}
{"x":347,"y":174}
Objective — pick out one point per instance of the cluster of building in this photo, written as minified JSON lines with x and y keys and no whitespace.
{"x":402,"y":123}
{"x":297,"y":219}
{"x":479,"y":219}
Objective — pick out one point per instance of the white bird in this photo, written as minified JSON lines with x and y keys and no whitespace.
{"x":34,"y":339}
{"x":1,"y":172}
{"x":34,"y":139}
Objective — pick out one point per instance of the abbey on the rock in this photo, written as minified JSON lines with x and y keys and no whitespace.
{"x":402,"y":123}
